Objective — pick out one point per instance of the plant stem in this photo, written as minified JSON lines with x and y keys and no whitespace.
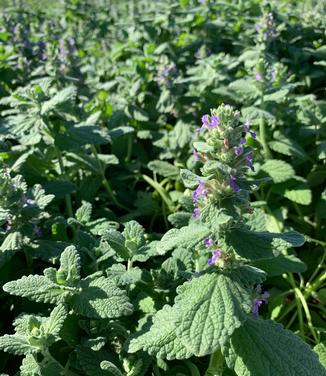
{"x":162,"y":192}
{"x":262,"y":131}
{"x":64,"y":175}
{"x":216,"y":364}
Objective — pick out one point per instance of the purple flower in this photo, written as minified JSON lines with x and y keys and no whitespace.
{"x":258,"y":76}
{"x":8,"y":227}
{"x":273,"y":74}
{"x":246,"y":128}
{"x":243,"y":140}
{"x":195,"y":155}
{"x":208,"y":242}
{"x":196,"y":213}
{"x":37,"y":231}
{"x":215,"y":121}
{"x":216,"y":255}
{"x":238,"y":150}
{"x":257,"y":302}
{"x":200,"y":191}
{"x":233,"y":184}
{"x":248,"y":160}
{"x":257,"y":27}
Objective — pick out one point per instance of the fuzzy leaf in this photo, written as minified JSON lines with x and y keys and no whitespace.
{"x":55,"y":322}
{"x":278,"y":170}
{"x":186,"y":236}
{"x":265,"y":348}
{"x":83,"y":214}
{"x":111,"y":368}
{"x":161,"y":340}
{"x":17,"y":345}
{"x":101,"y":298}
{"x":320,"y":350}
{"x":117,"y":242}
{"x":164,"y":169}
{"x":37,"y":288}
{"x":12,"y":242}
{"x":211,"y":307}
{"x":190,"y":180}
{"x":70,"y":263}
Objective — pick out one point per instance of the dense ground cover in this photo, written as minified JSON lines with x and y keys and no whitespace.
{"x":162,"y":188}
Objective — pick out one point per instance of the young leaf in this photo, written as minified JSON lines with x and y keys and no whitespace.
{"x":17,"y":345}
{"x":265,"y":348}
{"x":278,"y":170}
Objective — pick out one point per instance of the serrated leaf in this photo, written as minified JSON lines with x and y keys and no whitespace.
{"x":37,"y":288}
{"x":117,"y":242}
{"x":55,"y":322}
{"x":187,"y":236}
{"x":164,"y":169}
{"x":320,"y":350}
{"x":265,"y":348}
{"x":190,"y":180}
{"x":287,"y":146}
{"x":101,"y":298}
{"x":84,"y":213}
{"x":90,"y":361}
{"x":278,"y":170}
{"x":161,"y":340}
{"x":301,"y":195}
{"x":17,"y":345}
{"x":211,"y":308}
{"x":61,"y":97}
{"x":111,"y":368}
{"x":260,"y":245}
{"x":179,"y":219}
{"x":70,"y":263}
{"x":134,"y":236}
{"x":12,"y":242}
{"x":278,"y":96}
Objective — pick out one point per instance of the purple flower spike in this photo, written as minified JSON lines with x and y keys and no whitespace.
{"x":238,"y":150}
{"x":196,"y":213}
{"x":215,"y":121}
{"x":233,"y":184}
{"x":208,"y":242}
{"x":243,"y":140}
{"x":215,"y":256}
{"x":258,"y":76}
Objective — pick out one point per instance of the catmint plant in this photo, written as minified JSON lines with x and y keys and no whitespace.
{"x":216,"y":312}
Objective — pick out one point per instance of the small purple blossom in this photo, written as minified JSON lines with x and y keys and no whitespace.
{"x":258,"y":76}
{"x":243,"y":140}
{"x":246,"y":128}
{"x":8,"y":227}
{"x":257,"y":27}
{"x":195,"y":155}
{"x":208,"y":242}
{"x":233,"y":184}
{"x":215,"y":121}
{"x":238,"y":150}
{"x":200,"y":191}
{"x":37,"y":231}
{"x":257,"y":302}
{"x":248,"y":160}
{"x":216,"y":255}
{"x":208,"y":121}
{"x":196,"y":213}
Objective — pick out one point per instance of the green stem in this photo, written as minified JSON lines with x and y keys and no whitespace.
{"x":64,"y":175}
{"x":216,"y":364}
{"x":129,"y":265}
{"x":192,"y":368}
{"x":262,"y":131}
{"x":105,"y":182}
{"x":162,"y":192}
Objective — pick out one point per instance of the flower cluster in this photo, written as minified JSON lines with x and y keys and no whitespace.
{"x":216,"y":253}
{"x":261,"y":297}
{"x":266,"y":28}
{"x":166,"y":74}
{"x":224,"y":142}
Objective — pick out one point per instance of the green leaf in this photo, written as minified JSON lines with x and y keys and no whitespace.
{"x":187,"y":236}
{"x":37,"y":288}
{"x":161,"y":340}
{"x":111,"y":368}
{"x":299,"y":195}
{"x":287,"y":146}
{"x":164,"y":168}
{"x":190,"y":180}
{"x":55,"y":322}
{"x":17,"y":345}
{"x":117,"y":242}
{"x":134,"y":236}
{"x":12,"y":242}
{"x":278,"y":96}
{"x":265,"y":348}
{"x":281,"y":264}
{"x":63,"y":96}
{"x":179,"y":219}
{"x":84,"y":213}
{"x":211,"y":308}
{"x":70,"y":263}
{"x":90,"y":361}
{"x":278,"y":170}
{"x":260,"y":245}
{"x":101,"y":298}
{"x":320,"y":350}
